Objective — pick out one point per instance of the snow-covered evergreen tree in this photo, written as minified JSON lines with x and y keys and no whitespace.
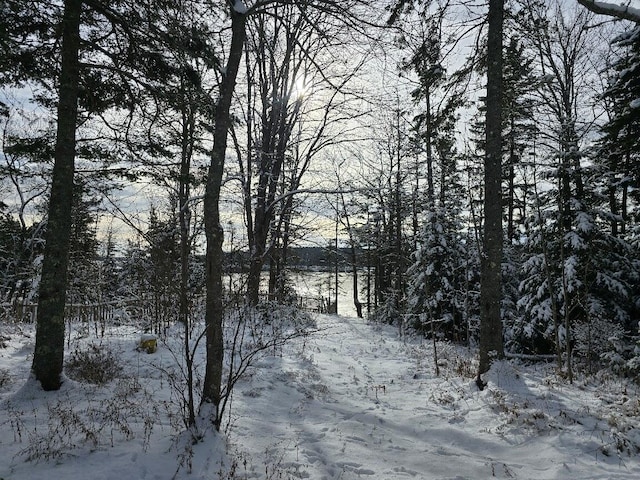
{"x":575,"y":271}
{"x":618,"y":152}
{"x":436,"y":281}
{"x":437,"y":290}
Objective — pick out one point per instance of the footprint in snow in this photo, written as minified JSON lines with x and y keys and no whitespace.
{"x":355,"y":468}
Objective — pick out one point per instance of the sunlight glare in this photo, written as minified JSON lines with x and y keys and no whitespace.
{"x":300,"y":88}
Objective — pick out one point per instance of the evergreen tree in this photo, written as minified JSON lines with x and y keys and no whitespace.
{"x":9,"y":234}
{"x":491,"y":331}
{"x":109,"y":270}
{"x":436,"y":280}
{"x":614,"y":175}
{"x":164,"y":268}
{"x":49,"y":349}
{"x":133,"y":279}
{"x":436,"y":289}
{"x":620,"y":143}
{"x":577,"y":272}
{"x":519,"y":132}
{"x":83,"y":250}
{"x":113,"y":68}
{"x":518,"y":135}
{"x":596,"y":267}
{"x":20,"y":250}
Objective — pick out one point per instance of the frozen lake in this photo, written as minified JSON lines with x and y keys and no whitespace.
{"x":323,"y":284}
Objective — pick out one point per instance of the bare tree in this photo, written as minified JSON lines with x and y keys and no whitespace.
{"x":297,"y":106}
{"x":277,"y":66}
{"x":211,"y":390}
{"x":344,"y":12}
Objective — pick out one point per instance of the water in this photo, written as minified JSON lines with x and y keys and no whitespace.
{"x":321,"y":284}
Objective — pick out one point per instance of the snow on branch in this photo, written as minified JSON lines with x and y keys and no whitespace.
{"x":623,"y":12}
{"x":240,"y":7}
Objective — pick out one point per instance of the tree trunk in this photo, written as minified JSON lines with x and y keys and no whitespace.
{"x":353,"y":253}
{"x":429,"y":145}
{"x":49,"y":349}
{"x":184,"y":216}
{"x":399,"y":258}
{"x":213,"y":229}
{"x":511,"y":183}
{"x":256,"y":263}
{"x":625,"y":194}
{"x":491,"y":341}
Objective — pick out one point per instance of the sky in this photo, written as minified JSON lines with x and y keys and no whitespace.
{"x":137,"y":198}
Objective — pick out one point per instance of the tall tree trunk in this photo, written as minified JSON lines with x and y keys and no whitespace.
{"x":429,"y":141}
{"x":184,"y":191}
{"x":49,"y":349}
{"x":511,"y":183}
{"x":256,"y":263}
{"x":625,"y":194}
{"x":184,"y":216}
{"x":212,"y":387}
{"x":280,"y":252}
{"x":491,"y":341}
{"x":352,"y":252}
{"x":398,"y":280}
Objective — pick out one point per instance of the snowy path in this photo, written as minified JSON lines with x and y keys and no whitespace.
{"x":356,"y":402}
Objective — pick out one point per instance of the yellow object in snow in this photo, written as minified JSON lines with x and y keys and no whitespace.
{"x":148,"y":343}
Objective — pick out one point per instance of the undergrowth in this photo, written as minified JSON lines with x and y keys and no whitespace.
{"x":63,"y":428}
{"x":95,"y":363}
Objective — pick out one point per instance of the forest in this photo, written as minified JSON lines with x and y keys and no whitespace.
{"x":168,"y":166}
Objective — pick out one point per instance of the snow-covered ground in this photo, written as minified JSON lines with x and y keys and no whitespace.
{"x":350,"y":401}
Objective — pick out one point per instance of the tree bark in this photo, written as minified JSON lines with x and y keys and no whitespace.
{"x":511,"y":182}
{"x":214,"y":233}
{"x":49,"y":350}
{"x":491,"y":341}
{"x":184,"y":217}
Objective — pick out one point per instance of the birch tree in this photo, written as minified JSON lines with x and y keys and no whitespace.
{"x":238,"y":14}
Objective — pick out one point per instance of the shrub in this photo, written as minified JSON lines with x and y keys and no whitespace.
{"x":96,"y":364}
{"x":5,"y":378}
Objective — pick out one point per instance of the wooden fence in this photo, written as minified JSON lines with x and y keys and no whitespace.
{"x":152,"y":314}
{"x":316,"y":304}
{"x":310,"y":304}
{"x":156,"y":312}
{"x":27,"y":312}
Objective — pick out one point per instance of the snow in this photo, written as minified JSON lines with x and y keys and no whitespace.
{"x":240,"y":7}
{"x":620,"y":8}
{"x":352,"y":400}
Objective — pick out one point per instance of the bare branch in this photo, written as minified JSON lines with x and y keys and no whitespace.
{"x":291,"y":193}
